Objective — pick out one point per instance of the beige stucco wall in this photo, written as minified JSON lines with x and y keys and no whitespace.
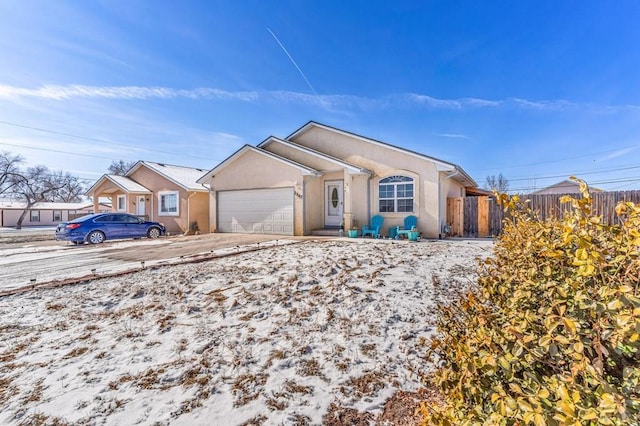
{"x":384,"y":161}
{"x":253,"y":170}
{"x":314,"y":203}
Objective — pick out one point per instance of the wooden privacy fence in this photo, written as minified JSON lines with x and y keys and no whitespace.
{"x":482,"y":216}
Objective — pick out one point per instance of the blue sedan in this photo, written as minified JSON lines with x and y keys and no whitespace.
{"x":96,"y":228}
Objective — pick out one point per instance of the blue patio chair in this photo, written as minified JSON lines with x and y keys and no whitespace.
{"x":374,"y":229}
{"x":410,"y":222}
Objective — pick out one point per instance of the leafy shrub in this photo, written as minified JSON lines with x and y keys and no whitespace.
{"x":551,"y":335}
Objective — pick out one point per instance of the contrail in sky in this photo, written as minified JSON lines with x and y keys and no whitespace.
{"x":294,"y":62}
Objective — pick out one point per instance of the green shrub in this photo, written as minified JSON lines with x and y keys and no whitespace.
{"x":551,"y":335}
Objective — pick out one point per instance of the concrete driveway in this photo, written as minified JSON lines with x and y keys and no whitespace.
{"x":27,"y":262}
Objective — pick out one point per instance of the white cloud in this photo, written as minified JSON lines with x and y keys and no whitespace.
{"x":619,"y":153}
{"x":59,"y":93}
{"x":453,"y":136}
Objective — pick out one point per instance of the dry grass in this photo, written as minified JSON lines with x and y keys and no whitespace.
{"x":52,"y":306}
{"x":247,"y":387}
{"x":366,"y":385}
{"x":76,"y":352}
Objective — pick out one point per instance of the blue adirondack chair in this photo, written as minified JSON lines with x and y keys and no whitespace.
{"x":374,"y":228}
{"x":410,"y":222}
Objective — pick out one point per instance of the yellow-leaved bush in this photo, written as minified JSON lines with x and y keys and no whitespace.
{"x":551,"y":334}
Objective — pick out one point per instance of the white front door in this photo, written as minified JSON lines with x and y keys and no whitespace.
{"x":333,"y":201}
{"x":140,"y":211}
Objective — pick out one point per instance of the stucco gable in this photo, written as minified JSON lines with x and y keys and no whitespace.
{"x":456,"y":172}
{"x":122,"y":182}
{"x":182,"y":176}
{"x":312,"y":154}
{"x":239,"y":153}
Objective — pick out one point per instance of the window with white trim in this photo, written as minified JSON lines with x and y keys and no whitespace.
{"x":57,"y":215}
{"x":34,"y":216}
{"x":122,"y":203}
{"x":395,"y":194}
{"x":168,"y":203}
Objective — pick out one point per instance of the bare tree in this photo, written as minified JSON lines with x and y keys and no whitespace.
{"x":37,"y":184}
{"x":120,"y":167}
{"x":71,"y":192}
{"x":496,"y":183}
{"x":9,"y":171}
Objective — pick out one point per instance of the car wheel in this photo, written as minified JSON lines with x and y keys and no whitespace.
{"x":95,"y":237}
{"x":153,"y":233}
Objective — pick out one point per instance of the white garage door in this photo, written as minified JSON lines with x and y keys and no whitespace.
{"x":256,"y":211}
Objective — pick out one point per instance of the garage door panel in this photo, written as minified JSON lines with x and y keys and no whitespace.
{"x":258,"y":211}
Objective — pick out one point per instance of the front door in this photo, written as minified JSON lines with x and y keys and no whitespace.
{"x":140,"y":207}
{"x":333,"y":201}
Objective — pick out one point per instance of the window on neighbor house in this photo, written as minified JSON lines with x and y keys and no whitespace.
{"x":122,"y":203}
{"x":57,"y":215}
{"x":395,"y":194}
{"x":168,"y":203}
{"x":34,"y":216}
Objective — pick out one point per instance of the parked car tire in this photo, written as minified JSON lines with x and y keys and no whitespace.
{"x":153,"y":233}
{"x":95,"y":237}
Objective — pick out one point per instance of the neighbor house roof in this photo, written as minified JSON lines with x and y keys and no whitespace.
{"x":565,"y":186}
{"x":211,"y":173}
{"x":122,"y":182}
{"x":352,"y":169}
{"x":20,"y":205}
{"x":441,"y":165}
{"x":185,"y":177}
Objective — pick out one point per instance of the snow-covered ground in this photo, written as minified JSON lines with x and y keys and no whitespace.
{"x":266,"y":337}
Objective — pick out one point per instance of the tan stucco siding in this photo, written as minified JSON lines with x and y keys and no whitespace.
{"x":199,"y":211}
{"x":314,"y":203}
{"x":256,"y":171}
{"x":359,"y":200}
{"x":309,"y":160}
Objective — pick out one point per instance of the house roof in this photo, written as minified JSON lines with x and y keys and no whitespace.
{"x":122,"y":182}
{"x":441,"y":165}
{"x":566,"y":186}
{"x":19,"y":205}
{"x":185,"y":177}
{"x":478,"y":192}
{"x":211,"y":173}
{"x":351,"y":168}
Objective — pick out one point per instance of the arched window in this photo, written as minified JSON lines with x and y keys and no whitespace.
{"x":395,"y":194}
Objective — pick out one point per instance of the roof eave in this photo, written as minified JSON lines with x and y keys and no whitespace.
{"x":351,"y":169}
{"x":211,"y":173}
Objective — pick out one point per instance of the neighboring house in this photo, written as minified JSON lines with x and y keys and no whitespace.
{"x":320,"y":177}
{"x":45,"y":213}
{"x":564,"y":187}
{"x":160,"y":192}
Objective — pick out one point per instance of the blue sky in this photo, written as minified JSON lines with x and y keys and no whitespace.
{"x":536,"y":90}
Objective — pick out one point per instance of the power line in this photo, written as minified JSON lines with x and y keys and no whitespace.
{"x":55,"y":150}
{"x":582,"y":173}
{"x":91,"y":139}
{"x":513,"y":166}
{"x":602,"y":182}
